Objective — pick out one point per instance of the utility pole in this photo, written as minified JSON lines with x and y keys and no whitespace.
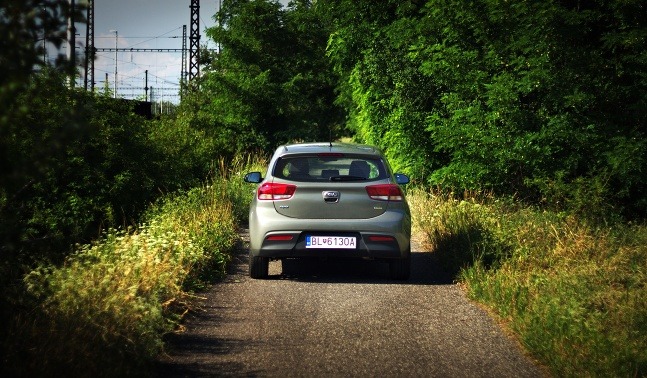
{"x":44,"y":15}
{"x":146,"y":87}
{"x":71,"y":43}
{"x":116,"y":56}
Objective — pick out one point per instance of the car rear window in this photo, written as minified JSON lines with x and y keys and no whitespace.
{"x":329,"y":168}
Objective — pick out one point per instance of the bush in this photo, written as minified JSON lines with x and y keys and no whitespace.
{"x":104,"y":311}
{"x":74,"y":163}
{"x":461,"y":232}
{"x":575,"y":294}
{"x":206,"y":213}
{"x":240,"y":193}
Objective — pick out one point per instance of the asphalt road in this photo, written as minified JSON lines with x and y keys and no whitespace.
{"x":339,"y":319}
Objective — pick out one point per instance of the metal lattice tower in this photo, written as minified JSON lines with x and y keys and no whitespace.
{"x":194,"y":41}
{"x":89,"y":47}
{"x":71,"y":42}
{"x":183,"y":72}
{"x":190,"y":69}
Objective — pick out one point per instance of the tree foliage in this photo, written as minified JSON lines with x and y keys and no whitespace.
{"x":72,"y":163}
{"x":26,"y":28}
{"x":270,"y":82}
{"x":526,"y":98}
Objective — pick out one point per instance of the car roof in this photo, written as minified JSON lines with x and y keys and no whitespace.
{"x":327,"y":147}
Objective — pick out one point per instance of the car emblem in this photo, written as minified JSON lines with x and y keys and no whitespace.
{"x":330,"y":196}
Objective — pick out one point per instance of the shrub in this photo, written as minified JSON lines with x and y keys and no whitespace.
{"x":575,"y":294}
{"x":461,"y":231}
{"x":104,"y":311}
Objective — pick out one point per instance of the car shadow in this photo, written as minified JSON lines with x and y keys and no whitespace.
{"x":425,"y":270}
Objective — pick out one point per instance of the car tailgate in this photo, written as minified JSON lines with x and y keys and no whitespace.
{"x":330,"y":200}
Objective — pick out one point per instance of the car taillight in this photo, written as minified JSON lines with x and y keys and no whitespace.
{"x":273,"y":191}
{"x":279,"y":237}
{"x":381,"y":239}
{"x":385,"y":192}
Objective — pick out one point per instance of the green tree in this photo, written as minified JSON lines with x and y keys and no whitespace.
{"x":72,"y":163}
{"x":384,"y":92}
{"x":26,"y":26}
{"x":534,"y":98}
{"x":270,"y":82}
{"x":75,"y":163}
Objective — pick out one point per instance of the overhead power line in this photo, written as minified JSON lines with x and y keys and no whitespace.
{"x":133,"y":49}
{"x":128,"y":88}
{"x":193,"y":69}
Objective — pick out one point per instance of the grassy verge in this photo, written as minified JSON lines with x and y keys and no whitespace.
{"x":105,"y":311}
{"x":576,"y":295}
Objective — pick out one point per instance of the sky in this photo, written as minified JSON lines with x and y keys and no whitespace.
{"x":144,"y":24}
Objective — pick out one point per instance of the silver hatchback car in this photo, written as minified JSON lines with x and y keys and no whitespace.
{"x":329,"y":200}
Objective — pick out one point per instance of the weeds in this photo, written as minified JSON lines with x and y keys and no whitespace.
{"x":239,"y":193}
{"x":576,"y":295}
{"x":110,"y":301}
{"x":105,"y":310}
{"x":460,"y":231}
{"x":206,"y":216}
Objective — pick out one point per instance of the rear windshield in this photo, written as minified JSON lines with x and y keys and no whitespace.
{"x":329,"y":168}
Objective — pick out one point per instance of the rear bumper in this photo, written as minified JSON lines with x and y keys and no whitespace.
{"x":366,"y":247}
{"x":384,"y":237}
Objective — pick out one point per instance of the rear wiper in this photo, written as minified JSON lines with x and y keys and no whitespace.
{"x":347,"y":178}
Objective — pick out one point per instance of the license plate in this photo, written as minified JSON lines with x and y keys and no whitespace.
{"x":331,"y":242}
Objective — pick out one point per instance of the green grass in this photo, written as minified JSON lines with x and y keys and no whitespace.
{"x":105,"y":311}
{"x":576,"y":295}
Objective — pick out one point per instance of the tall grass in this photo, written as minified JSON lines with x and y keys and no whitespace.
{"x":238,"y":192}
{"x":575,"y":294}
{"x":105,"y":311}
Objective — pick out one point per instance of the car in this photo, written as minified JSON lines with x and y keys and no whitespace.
{"x":329,"y":200}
